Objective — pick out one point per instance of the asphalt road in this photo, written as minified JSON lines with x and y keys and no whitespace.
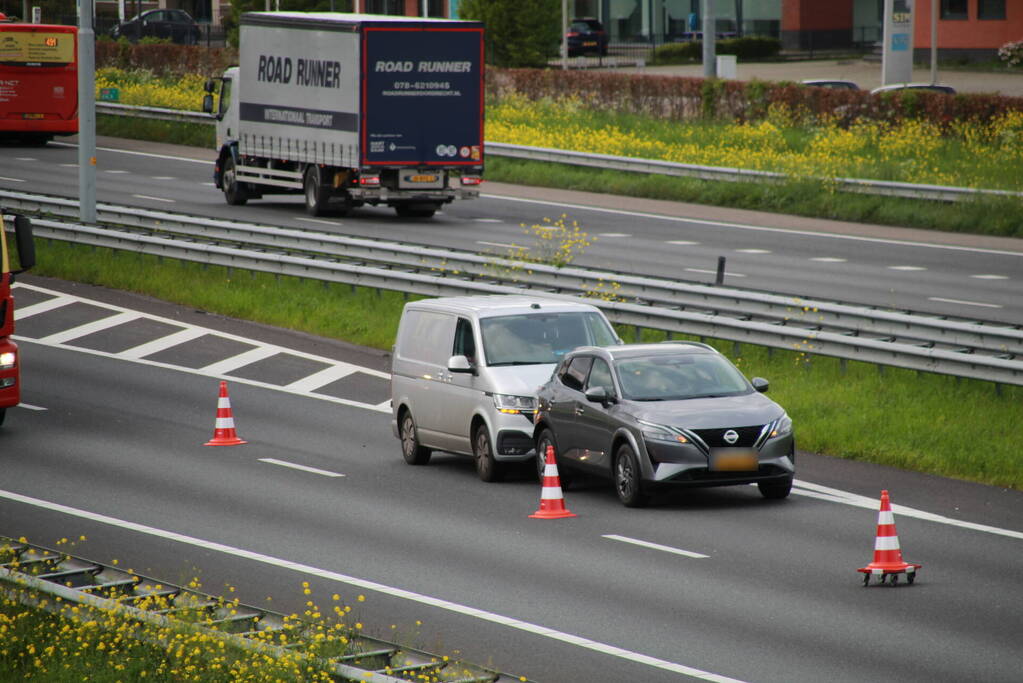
{"x":111,"y":448}
{"x":957,"y":275}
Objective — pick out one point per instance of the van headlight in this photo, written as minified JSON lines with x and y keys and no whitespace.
{"x":8,"y":360}
{"x":782,"y":426}
{"x":513,"y":405}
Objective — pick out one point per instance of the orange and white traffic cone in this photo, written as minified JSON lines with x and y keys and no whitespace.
{"x":887,"y":555}
{"x":552,"y":501}
{"x":223,"y":433}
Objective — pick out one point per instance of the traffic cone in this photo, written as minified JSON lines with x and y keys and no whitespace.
{"x":552,"y":502}
{"x":223,"y":433}
{"x":887,"y":555}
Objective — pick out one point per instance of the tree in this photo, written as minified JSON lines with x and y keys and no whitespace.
{"x":520,"y":33}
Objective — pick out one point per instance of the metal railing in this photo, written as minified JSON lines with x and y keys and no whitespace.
{"x":631,"y":165}
{"x":963,"y":348}
{"x":33,"y":575}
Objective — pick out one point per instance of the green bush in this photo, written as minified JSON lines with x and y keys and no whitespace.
{"x":745,"y":49}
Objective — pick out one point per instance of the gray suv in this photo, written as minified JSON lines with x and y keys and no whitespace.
{"x":651,"y":416}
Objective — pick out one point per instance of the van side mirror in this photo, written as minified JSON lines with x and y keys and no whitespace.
{"x":207,"y":104}
{"x":461,"y":364}
{"x":600,"y":395}
{"x":760,"y":384}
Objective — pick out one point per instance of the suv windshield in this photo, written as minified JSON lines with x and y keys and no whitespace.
{"x":671,"y":378}
{"x":535,"y":338}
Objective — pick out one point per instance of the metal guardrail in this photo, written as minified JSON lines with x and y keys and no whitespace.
{"x":26,"y":569}
{"x":903,"y":339}
{"x":631,"y":165}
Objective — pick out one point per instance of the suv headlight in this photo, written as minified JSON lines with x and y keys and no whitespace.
{"x":513,"y":405}
{"x":782,"y":426}
{"x":655,"y":432}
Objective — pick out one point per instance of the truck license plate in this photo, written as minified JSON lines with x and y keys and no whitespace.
{"x":423,"y":179}
{"x":733,"y":460}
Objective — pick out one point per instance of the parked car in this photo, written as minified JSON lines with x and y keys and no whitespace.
{"x":465,"y":370}
{"x":927,"y":87}
{"x":828,"y":83}
{"x":650,"y":416}
{"x":176,"y":25}
{"x":586,"y":36}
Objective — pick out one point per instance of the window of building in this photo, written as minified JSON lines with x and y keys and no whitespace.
{"x":991,"y":9}
{"x":954,"y":9}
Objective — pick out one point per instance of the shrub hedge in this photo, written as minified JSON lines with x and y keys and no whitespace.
{"x":748,"y":48}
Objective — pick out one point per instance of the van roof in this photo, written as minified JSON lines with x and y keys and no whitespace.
{"x":501,"y":304}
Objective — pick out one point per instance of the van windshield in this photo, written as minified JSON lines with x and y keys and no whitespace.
{"x":537,"y":338}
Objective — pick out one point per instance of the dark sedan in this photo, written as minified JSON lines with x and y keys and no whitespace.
{"x":651,"y":416}
{"x":586,"y":36}
{"x":175,"y":25}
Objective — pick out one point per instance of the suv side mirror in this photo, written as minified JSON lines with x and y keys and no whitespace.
{"x":599,"y":395}
{"x":760,"y":384}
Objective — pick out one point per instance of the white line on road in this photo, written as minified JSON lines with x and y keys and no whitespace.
{"x":990,"y":277}
{"x":964,"y":303}
{"x":754,"y":251}
{"x":714,"y":272}
{"x":487,"y":220}
{"x":683,"y":243}
{"x":828,"y":259}
{"x":29,"y":406}
{"x":154,"y":199}
{"x":503,"y":245}
{"x":318,"y":221}
{"x":439,"y":603}
{"x":656,"y":546}
{"x":12,"y":180}
{"x":115,"y":171}
{"x":907,"y":268}
{"x":613,"y":234}
{"x":284,"y":463}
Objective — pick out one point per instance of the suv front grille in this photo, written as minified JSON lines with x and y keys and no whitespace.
{"x":715,"y":438}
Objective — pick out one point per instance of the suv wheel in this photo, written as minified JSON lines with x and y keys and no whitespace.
{"x":627,"y":478}
{"x":547,"y":439}
{"x":411,"y":450}
{"x":775,"y":490}
{"x":487,"y":468}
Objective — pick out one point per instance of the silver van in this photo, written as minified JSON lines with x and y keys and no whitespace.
{"x":465,"y":371}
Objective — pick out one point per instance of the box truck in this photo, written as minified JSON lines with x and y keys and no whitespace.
{"x":351,"y":109}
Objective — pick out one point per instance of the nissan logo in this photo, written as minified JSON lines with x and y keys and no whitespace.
{"x":731,"y":436}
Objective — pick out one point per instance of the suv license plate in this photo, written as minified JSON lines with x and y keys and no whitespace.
{"x":733,"y":460}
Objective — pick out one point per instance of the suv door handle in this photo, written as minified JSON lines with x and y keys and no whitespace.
{"x":579,"y":410}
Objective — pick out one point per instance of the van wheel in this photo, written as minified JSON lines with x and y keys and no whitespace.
{"x":411,"y":450}
{"x":486,"y":467}
{"x":234,"y":192}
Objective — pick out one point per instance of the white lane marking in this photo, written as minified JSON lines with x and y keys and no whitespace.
{"x":204,"y":162}
{"x":41,"y":307}
{"x":754,"y":251}
{"x":906,"y":268}
{"x":964,"y":303}
{"x":714,"y":272}
{"x":13,"y":180}
{"x":613,"y":234}
{"x":683,"y":243}
{"x":990,"y":277}
{"x":114,"y":171}
{"x":163,"y":177}
{"x":365,"y":584}
{"x":70,"y":165}
{"x":88,"y":328}
{"x":321,"y":379}
{"x":294,"y":466}
{"x":26,"y":159}
{"x":222,"y":367}
{"x":164,"y":342}
{"x":29,"y":406}
{"x":829,"y":259}
{"x":154,"y":199}
{"x":317,"y":221}
{"x":805,"y":488}
{"x":187,"y":332}
{"x":503,"y":245}
{"x":759,"y":228}
{"x":487,"y":220}
{"x":655,"y":546}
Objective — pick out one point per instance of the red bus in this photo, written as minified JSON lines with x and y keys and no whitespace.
{"x":38,"y":82}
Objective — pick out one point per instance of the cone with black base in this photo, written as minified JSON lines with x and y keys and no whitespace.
{"x":552,"y":501}
{"x":224,"y":433}
{"x":888,"y":562}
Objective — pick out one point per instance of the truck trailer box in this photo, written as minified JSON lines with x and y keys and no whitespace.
{"x":385,"y":110}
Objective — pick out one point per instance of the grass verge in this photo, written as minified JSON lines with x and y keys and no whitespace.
{"x":916,"y":421}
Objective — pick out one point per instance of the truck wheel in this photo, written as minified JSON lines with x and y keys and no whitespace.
{"x":316,"y":195}
{"x":234,"y":192}
{"x":3,"y":414}
{"x":416,"y":210}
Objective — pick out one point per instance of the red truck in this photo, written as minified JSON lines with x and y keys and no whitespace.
{"x":10,"y":386}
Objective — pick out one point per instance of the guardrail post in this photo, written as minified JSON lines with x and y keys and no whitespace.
{"x":720,"y":280}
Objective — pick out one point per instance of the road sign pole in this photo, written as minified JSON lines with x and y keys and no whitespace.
{"x":86,"y":113}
